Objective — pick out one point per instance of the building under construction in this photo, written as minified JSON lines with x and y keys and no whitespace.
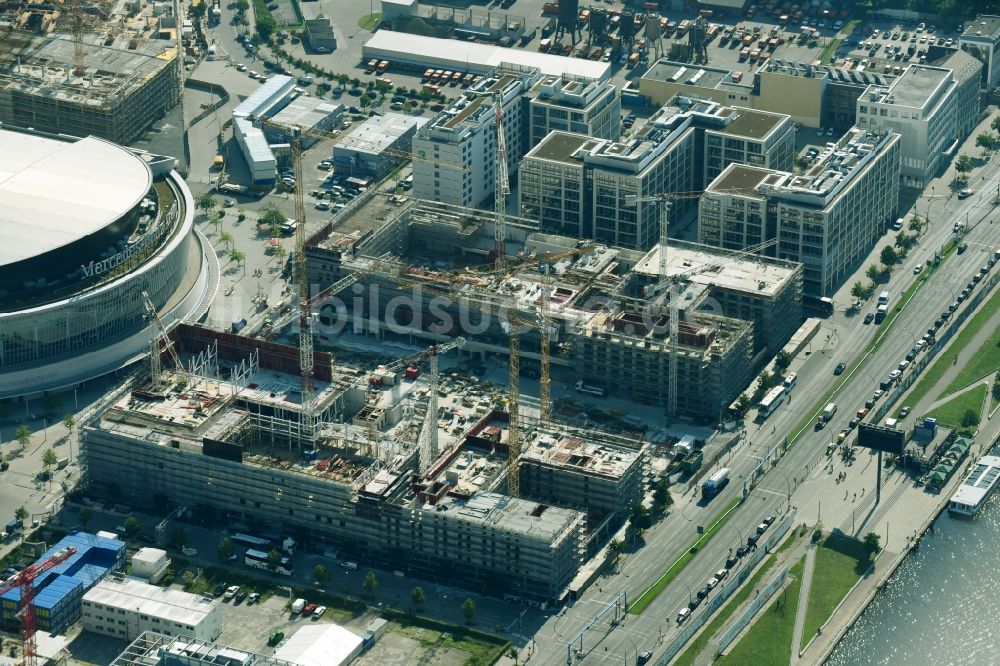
{"x":604,"y":332}
{"x":125,"y":86}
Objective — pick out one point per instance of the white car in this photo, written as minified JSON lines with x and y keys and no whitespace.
{"x":319,"y":612}
{"x":231,"y":592}
{"x":241,"y":67}
{"x":253,"y":75}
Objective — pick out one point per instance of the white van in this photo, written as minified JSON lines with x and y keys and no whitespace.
{"x":790,"y":381}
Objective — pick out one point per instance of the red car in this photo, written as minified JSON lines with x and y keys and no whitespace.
{"x":309,"y":609}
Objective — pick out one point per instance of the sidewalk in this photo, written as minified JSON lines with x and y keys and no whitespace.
{"x":800,"y":611}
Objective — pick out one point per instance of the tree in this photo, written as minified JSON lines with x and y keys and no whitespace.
{"x":370,"y":582}
{"x":321,"y":573}
{"x":178,"y":538}
{"x":280,"y":252}
{"x":364,"y":102}
{"x":639,"y":518}
{"x":858,"y":290}
{"x":783,"y":360}
{"x":661,"y":494}
{"x":963,"y":165}
{"x":888,"y":256}
{"x":237,"y":256}
{"x":872,"y":544}
{"x":217,"y":217}
{"x":418,"y":596}
{"x":23,"y":436}
{"x":765,"y":381}
{"x":188,"y":578}
{"x":274,"y":558}
{"x":873,"y":272}
{"x":85,"y":515}
{"x":995,"y":124}
{"x":132,"y":527}
{"x":469,"y":609}
{"x":270,"y":216}
{"x":68,"y":422}
{"x":205,"y":202}
{"x":916,"y":224}
{"x":743,"y":403}
{"x":225,"y":548}
{"x":242,"y":5}
{"x":996,"y":391}
{"x":49,"y":459}
{"x":21,"y":513}
{"x":970,"y":418}
{"x":226,"y":238}
{"x":987,"y":142}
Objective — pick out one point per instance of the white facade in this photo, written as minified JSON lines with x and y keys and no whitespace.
{"x":256,"y":151}
{"x":456,"y":152}
{"x":932,"y":108}
{"x":150,"y":563}
{"x":125,"y":607}
{"x":574,"y":104}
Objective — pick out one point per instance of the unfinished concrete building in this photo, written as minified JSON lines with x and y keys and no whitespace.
{"x":128,"y":84}
{"x":603,"y":331}
{"x":231,"y":450}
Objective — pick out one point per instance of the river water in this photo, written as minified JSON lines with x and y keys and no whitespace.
{"x":942,"y":606}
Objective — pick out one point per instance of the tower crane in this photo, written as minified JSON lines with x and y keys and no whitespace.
{"x":25,"y":582}
{"x":155,"y":367}
{"x":666,"y":281}
{"x":502,"y":185}
{"x":428,"y":440}
{"x":75,"y":9}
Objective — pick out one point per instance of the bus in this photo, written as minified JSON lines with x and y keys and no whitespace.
{"x":820,"y":304}
{"x":258,"y":560}
{"x":771,"y":402}
{"x":251,"y":541}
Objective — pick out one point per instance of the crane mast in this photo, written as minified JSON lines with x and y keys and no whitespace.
{"x":307,"y":414}
{"x":545,"y":352}
{"x":514,"y":395}
{"x":502,"y":184}
{"x":25,"y":580}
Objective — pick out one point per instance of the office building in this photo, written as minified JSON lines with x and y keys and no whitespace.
{"x":376,"y":146}
{"x":573,"y":104}
{"x":813,"y":95}
{"x":457,"y":150}
{"x":981,"y":40}
{"x":123,"y":608}
{"x":576,"y":185}
{"x":933,"y":109}
{"x":828,"y":218}
{"x":319,"y":32}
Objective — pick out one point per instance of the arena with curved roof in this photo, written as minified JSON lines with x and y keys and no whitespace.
{"x":87,"y":226}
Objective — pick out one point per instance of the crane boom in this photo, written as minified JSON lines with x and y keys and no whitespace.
{"x":25,"y":580}
{"x":154,"y":345}
{"x":502,"y":185}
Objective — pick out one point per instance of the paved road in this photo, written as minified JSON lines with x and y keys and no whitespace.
{"x":847,"y":336}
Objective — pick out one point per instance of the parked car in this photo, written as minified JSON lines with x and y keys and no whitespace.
{"x":839,"y":370}
{"x":683,"y":615}
{"x":869,"y":318}
{"x":318,"y":613}
{"x":253,"y":598}
{"x":275,"y":638}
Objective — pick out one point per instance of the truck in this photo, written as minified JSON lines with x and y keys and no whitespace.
{"x":218,"y":162}
{"x":881,"y":312}
{"x":633,"y":60}
{"x":883,"y":298}
{"x":298,"y":605}
{"x":599,"y":391}
{"x":828,"y":412}
{"x":549,"y":27}
{"x":715,"y":483}
{"x":233,"y":188}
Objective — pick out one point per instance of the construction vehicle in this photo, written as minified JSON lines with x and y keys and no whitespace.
{"x":25,"y":582}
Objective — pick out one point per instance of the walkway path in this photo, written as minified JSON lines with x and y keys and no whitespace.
{"x":800,"y":612}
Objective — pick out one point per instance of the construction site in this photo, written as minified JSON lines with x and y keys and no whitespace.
{"x":105,"y":70}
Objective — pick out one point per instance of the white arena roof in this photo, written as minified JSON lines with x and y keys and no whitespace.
{"x":53,"y":193}
{"x":470,"y":56}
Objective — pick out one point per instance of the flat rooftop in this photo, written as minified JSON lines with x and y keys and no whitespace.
{"x":541,"y":521}
{"x":751,"y":274}
{"x":379,"y":132}
{"x":685,"y":74}
{"x":739,"y":179}
{"x":561,"y":146}
{"x":307,"y":112}
{"x":53,"y":193}
{"x":141,"y":597}
{"x":917,"y":84}
{"x":983,"y":26}
{"x":753,"y":124}
{"x":469,"y":56}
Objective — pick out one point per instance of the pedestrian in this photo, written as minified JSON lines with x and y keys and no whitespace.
{"x":862,"y":492}
{"x":855,"y":497}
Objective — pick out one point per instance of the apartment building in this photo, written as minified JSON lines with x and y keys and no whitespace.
{"x":932,"y":108}
{"x":828,"y":218}
{"x":239,"y":461}
{"x":576,"y":185}
{"x":981,"y":40}
{"x":456,"y":152}
{"x":570,"y":103}
{"x":123,"y":608}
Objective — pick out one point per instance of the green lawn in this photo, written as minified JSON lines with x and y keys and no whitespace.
{"x":651,"y":592}
{"x":769,"y":641}
{"x":370,"y":21}
{"x":934,"y":373}
{"x":736,"y":601}
{"x":840,"y":562}
{"x":951,"y":412}
{"x":987,"y":357}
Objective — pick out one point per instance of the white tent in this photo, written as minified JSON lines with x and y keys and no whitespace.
{"x":321,"y":645}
